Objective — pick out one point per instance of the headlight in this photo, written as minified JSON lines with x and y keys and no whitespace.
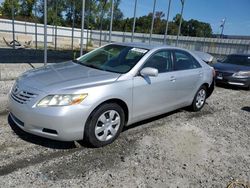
{"x":61,"y":100}
{"x":242,"y":74}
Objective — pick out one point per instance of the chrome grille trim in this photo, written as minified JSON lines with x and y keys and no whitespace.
{"x":23,"y":97}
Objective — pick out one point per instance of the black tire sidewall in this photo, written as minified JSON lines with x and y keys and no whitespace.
{"x":194,"y":107}
{"x":89,"y":132}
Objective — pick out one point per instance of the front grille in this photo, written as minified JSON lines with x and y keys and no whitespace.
{"x":22,"y":97}
{"x":219,"y":73}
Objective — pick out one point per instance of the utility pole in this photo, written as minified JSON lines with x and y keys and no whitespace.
{"x":133,"y":31}
{"x":82,"y":29}
{"x":152,"y":23}
{"x":166,"y":31}
{"x":111,"y":20}
{"x":179,"y":30}
{"x":222,"y":27}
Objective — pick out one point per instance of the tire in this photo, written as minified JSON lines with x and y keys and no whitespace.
{"x":199,"y":99}
{"x":104,"y":125}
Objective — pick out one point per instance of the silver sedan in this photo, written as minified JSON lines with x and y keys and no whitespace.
{"x":94,"y":97}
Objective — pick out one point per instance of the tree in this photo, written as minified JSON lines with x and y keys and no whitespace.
{"x":97,"y":15}
{"x":196,"y":28}
{"x":26,"y":7}
{"x":159,"y":24}
{"x":7,"y":8}
{"x":53,"y":17}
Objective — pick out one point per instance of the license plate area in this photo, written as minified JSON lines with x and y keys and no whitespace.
{"x":220,"y":77}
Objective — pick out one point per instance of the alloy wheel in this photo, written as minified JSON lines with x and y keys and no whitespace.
{"x":200,"y":98}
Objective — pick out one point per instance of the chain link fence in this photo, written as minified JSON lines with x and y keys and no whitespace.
{"x":27,"y":32}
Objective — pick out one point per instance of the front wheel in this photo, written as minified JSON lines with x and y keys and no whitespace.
{"x":104,"y":125}
{"x":199,"y":99}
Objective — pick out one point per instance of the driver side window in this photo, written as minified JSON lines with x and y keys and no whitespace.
{"x":161,"y":61}
{"x":184,"y":61}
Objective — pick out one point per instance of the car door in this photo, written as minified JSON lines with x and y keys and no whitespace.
{"x":154,"y":95}
{"x":188,"y":74}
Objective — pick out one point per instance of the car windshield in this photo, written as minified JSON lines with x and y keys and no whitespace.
{"x":113,"y":58}
{"x":238,"y":60}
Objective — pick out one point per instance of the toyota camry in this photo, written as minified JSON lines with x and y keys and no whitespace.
{"x":93,"y":97}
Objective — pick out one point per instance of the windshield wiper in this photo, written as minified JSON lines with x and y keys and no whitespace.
{"x":87,"y":65}
{"x":94,"y":67}
{"x":77,"y":61}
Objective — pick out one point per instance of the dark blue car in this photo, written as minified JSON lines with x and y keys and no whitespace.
{"x":234,"y":70}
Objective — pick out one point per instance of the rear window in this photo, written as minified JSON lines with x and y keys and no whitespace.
{"x":238,"y":60}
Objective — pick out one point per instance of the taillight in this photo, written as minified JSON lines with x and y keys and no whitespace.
{"x":214,"y":73}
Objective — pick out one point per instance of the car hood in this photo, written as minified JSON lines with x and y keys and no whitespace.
{"x":64,"y":76}
{"x":230,"y":67}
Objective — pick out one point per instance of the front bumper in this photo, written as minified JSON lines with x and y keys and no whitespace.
{"x":57,"y":123}
{"x":241,"y":82}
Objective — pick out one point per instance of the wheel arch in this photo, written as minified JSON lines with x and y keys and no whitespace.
{"x":210,"y":88}
{"x":118,"y":101}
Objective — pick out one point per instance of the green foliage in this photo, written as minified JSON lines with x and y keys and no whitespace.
{"x":6,"y":8}
{"x":26,"y":7}
{"x":195,"y":28}
{"x":97,"y":15}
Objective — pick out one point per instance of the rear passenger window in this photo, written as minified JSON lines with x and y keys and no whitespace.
{"x":161,"y":61}
{"x":184,"y":61}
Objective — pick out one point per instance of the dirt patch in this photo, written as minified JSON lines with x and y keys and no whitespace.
{"x":209,"y":148}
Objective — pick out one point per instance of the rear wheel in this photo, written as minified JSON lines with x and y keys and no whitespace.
{"x":199,"y":99}
{"x":104,"y":125}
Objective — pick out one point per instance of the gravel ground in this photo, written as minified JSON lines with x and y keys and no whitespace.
{"x":210,"y":148}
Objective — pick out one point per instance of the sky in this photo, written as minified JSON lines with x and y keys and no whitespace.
{"x":236,"y":12}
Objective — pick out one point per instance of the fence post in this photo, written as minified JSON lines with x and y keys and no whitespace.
{"x":166,"y":31}
{"x":73,"y":25}
{"x":102,"y":14}
{"x":82,"y":30}
{"x":111,"y":20}
{"x":179,"y":30}
{"x":89,"y":13}
{"x":133,"y":30}
{"x":36,"y":25}
{"x":152,"y":23}
{"x":56,"y":28}
{"x":45,"y":32}
{"x":13,"y":23}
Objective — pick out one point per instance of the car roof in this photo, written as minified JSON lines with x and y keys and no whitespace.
{"x":202,"y":55}
{"x":143,"y":45}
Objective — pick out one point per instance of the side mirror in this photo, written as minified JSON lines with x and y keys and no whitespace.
{"x":149,"y":71}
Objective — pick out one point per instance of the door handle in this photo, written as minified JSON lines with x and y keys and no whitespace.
{"x":172,"y":79}
{"x":200,"y":73}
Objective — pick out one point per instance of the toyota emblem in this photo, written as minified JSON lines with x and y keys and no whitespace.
{"x":16,"y":90}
